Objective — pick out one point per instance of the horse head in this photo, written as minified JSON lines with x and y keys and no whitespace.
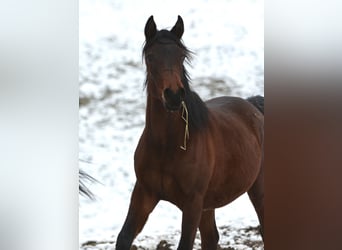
{"x":164,"y":56}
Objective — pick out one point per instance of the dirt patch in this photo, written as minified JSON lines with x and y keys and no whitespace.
{"x":230,"y":239}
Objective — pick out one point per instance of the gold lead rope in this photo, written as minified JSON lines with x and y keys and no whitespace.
{"x":186,"y":119}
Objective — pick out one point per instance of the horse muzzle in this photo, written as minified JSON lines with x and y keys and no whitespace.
{"x":173,"y":100}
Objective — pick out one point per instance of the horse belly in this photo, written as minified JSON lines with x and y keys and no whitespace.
{"x":215,"y":199}
{"x":237,"y":148}
{"x":231,"y":179}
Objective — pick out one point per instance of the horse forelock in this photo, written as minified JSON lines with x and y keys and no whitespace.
{"x":166,"y":37}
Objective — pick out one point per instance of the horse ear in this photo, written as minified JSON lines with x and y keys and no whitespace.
{"x":150,"y":28}
{"x":178,"y":29}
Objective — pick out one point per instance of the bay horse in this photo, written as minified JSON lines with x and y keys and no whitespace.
{"x":197,"y":155}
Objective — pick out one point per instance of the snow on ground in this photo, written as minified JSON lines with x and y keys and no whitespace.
{"x":227,"y":38}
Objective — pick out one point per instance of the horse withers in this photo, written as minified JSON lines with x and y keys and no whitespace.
{"x":197,"y":155}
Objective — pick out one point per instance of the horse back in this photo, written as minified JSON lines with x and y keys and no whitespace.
{"x":235,"y":111}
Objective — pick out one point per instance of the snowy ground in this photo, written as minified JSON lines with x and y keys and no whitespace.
{"x":227,"y":38}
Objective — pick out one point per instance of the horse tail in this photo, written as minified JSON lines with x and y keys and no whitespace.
{"x":258,"y":102}
{"x":83,"y":189}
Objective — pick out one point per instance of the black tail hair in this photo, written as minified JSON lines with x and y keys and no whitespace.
{"x":83,"y":189}
{"x":257,"y":101}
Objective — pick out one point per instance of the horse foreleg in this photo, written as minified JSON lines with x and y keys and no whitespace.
{"x":208,"y":230}
{"x":192,"y":212}
{"x":142,"y":204}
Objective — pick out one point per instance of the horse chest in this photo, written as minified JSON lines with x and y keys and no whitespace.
{"x":166,"y":179}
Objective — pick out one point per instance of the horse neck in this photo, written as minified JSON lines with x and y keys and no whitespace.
{"x":164,"y":129}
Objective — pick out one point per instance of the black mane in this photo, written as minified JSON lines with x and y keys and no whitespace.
{"x":198,"y":111}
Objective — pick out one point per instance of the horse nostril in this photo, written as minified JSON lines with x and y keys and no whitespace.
{"x":167,"y":92}
{"x":172,"y":100}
